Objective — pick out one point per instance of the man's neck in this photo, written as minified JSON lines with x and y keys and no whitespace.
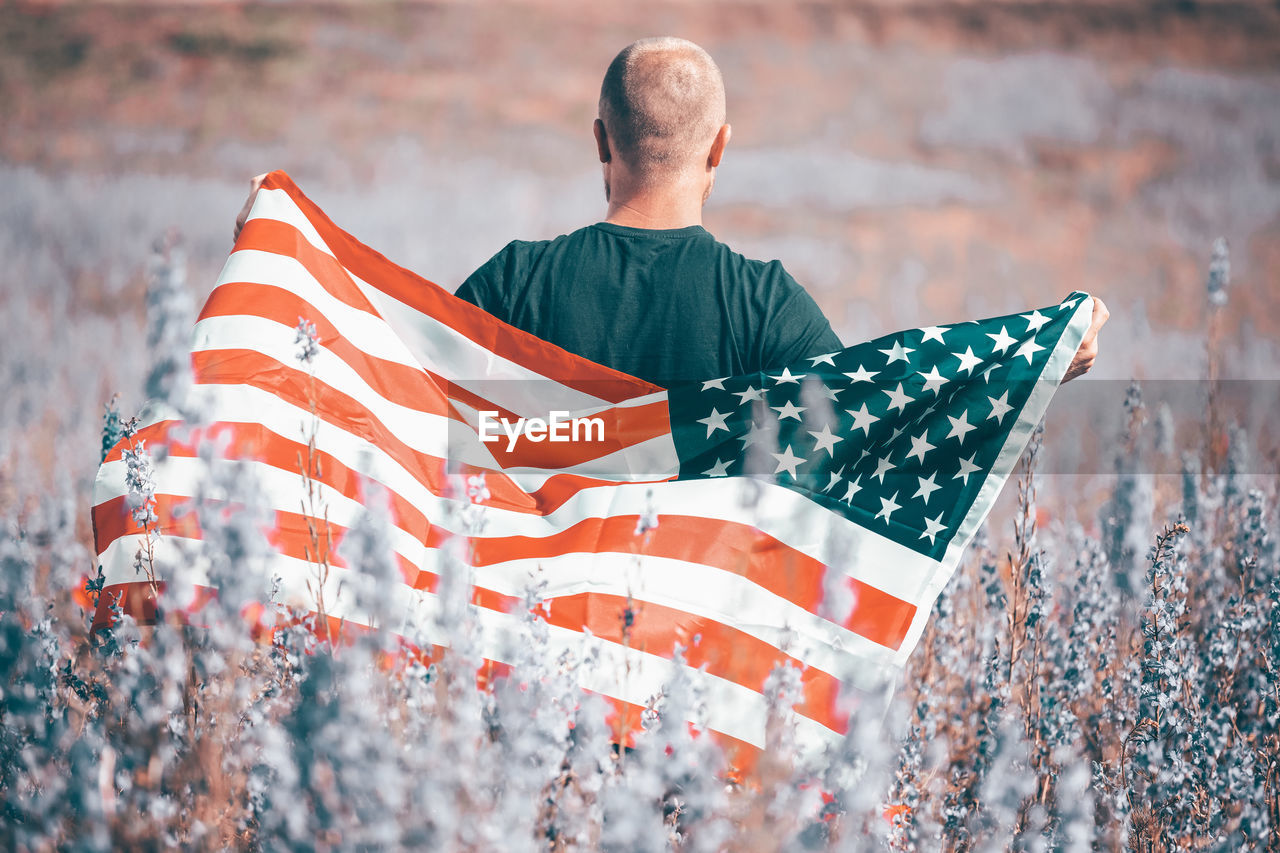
{"x":656,"y":211}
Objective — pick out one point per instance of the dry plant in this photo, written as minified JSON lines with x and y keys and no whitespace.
{"x":314,"y":510}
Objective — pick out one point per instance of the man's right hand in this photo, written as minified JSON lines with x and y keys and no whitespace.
{"x":254,"y":185}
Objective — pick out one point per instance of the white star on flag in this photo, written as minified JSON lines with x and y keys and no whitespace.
{"x":1001,"y":341}
{"x":836,"y":477}
{"x":787,"y":376}
{"x":933,"y":333}
{"x":919,"y":446}
{"x":897,"y":399}
{"x":854,"y":488}
{"x":749,"y":394}
{"x":862,"y":419}
{"x":933,"y":526}
{"x":714,"y":421}
{"x":755,"y":435}
{"x":823,"y":359}
{"x":934,"y":405}
{"x":1027,"y":348}
{"x":933,"y":380}
{"x":714,"y":383}
{"x":888,"y":506}
{"x":966,"y":468}
{"x":1035,"y":320}
{"x":787,"y":461}
{"x":862,"y":374}
{"x":883,"y":466}
{"x":999,"y":407}
{"x":897,"y":353}
{"x":824,"y":440}
{"x":927,"y":487}
{"x":960,"y":427}
{"x":720,"y":469}
{"x":968,"y":361}
{"x":788,"y":410}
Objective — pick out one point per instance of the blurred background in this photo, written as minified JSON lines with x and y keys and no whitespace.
{"x":910,"y":163}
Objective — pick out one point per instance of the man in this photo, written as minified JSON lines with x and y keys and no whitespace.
{"x":649,"y":291}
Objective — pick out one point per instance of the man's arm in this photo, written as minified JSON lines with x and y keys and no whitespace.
{"x":796,"y":328}
{"x":486,"y":287}
{"x":467,"y":291}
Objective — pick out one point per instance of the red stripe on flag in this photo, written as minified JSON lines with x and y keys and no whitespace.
{"x":723,"y":650}
{"x":729,"y":546}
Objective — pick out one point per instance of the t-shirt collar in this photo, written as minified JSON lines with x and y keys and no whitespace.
{"x":659,"y":233}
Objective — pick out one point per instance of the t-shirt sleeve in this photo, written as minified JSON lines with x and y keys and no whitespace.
{"x":796,"y":327}
{"x":468,"y":290}
{"x":486,"y":287}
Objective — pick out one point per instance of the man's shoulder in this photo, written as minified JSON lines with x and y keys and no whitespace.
{"x":518,"y":257}
{"x":756,"y":272}
{"x":575,"y":236}
{"x":530,"y":249}
{"x":521,"y":247}
{"x":491,"y":284}
{"x":787,"y":322}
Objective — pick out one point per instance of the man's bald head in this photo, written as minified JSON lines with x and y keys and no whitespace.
{"x":662,"y":103}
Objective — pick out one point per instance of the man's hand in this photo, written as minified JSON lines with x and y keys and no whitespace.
{"x":1089,"y":346}
{"x":254,"y":185}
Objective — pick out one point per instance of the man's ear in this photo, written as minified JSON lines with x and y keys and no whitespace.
{"x":602,"y":141}
{"x":718,"y":145}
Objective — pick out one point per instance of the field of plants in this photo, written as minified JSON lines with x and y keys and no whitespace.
{"x":1074,"y":691}
{"x":1102,"y":674}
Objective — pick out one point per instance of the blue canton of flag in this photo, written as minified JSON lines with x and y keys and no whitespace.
{"x":901,"y":435}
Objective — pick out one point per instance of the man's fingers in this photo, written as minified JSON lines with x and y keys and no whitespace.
{"x":1081,"y":363}
{"x":1100,"y":315}
{"x":255,"y":184}
{"x":1088,"y":350}
{"x":1096,"y":322}
{"x":1100,"y":312}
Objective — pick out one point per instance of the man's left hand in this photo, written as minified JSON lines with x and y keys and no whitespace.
{"x":1089,"y":346}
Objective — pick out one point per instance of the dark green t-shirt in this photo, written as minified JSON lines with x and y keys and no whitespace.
{"x":667,"y":306}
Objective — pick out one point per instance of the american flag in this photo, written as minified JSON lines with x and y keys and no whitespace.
{"x":806,"y":516}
